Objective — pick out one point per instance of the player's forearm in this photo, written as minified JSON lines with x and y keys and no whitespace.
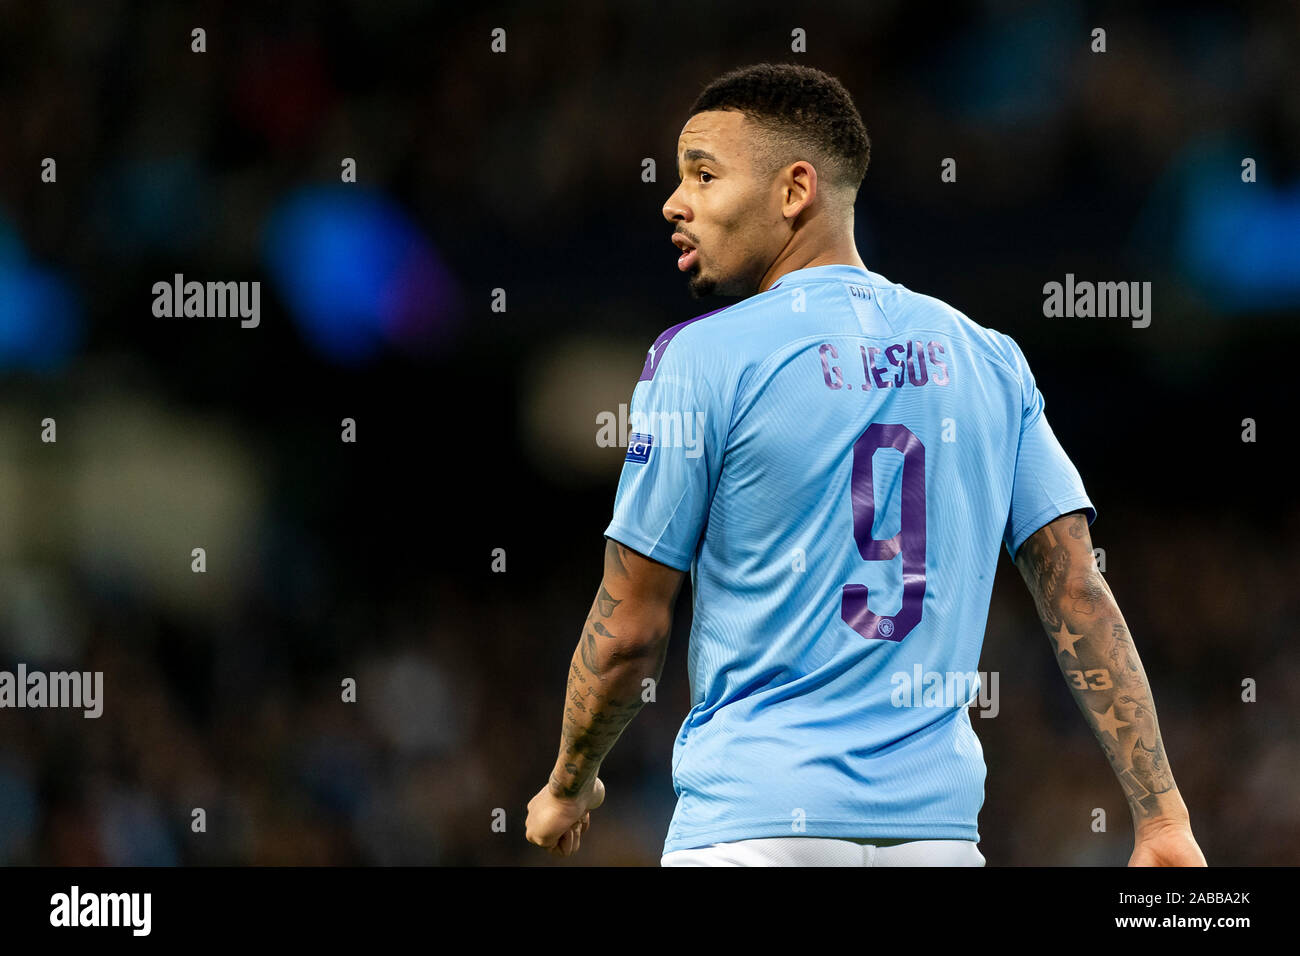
{"x":619,"y":649}
{"x":1110,"y":686}
{"x":1096,"y":654}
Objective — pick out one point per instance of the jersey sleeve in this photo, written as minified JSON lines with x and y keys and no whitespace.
{"x":1046,"y":483}
{"x":677,"y":430}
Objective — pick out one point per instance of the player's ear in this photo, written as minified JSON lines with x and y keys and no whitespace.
{"x":799,"y":187}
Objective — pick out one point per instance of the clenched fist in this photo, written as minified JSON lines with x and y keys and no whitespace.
{"x":558,"y":823}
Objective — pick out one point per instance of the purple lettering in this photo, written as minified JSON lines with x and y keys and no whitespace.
{"x":898,"y":379}
{"x":930,"y":348}
{"x":876,"y":373}
{"x":866,"y":367}
{"x":916,"y":373}
{"x":909,"y":541}
{"x":827,"y":368}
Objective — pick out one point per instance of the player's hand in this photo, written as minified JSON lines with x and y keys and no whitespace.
{"x":1170,"y":845}
{"x":558,"y":823}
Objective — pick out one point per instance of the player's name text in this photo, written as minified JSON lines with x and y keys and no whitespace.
{"x":898,"y":365}
{"x":208,"y":300}
{"x":82,"y":690}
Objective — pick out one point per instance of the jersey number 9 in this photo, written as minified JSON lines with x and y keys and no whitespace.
{"x":909,"y":541}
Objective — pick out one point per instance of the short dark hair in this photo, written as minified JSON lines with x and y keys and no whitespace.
{"x":806,"y":114}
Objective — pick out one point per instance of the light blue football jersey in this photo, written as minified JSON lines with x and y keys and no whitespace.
{"x":837,"y":461}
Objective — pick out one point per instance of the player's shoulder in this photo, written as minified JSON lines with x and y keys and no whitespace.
{"x":697,"y":340}
{"x":919,"y":308}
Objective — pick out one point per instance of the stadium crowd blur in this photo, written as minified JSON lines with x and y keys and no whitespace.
{"x":476,"y":428}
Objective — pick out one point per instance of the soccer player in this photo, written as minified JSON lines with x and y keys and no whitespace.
{"x":836,"y":460}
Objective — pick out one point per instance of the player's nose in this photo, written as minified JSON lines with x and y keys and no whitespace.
{"x":675,"y":209}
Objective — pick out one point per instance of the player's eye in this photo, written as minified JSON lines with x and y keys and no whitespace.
{"x":704,"y":173}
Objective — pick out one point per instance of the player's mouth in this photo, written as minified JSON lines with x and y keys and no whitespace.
{"x":689,"y":252}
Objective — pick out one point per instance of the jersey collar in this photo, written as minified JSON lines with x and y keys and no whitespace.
{"x":836,"y":271}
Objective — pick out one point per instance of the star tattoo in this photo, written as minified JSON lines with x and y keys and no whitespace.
{"x":1109,"y":722}
{"x":1065,"y":641}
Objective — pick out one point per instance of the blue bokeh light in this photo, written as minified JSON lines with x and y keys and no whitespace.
{"x":357,"y":273}
{"x":41,"y":323}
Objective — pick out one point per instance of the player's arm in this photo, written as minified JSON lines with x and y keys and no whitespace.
{"x":1096,"y":654}
{"x":624,"y":641}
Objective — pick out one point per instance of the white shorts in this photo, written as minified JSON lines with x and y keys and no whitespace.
{"x":826,"y":851}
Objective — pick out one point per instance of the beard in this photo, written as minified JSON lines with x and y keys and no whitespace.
{"x":700,"y":286}
{"x":741,"y":283}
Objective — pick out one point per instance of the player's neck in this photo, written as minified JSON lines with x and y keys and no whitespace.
{"x":846,"y":255}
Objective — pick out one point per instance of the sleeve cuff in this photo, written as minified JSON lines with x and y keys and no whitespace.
{"x":1021,"y":532}
{"x":655,"y":550}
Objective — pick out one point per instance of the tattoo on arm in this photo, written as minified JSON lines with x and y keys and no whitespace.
{"x":614,"y":553}
{"x":590,"y":655}
{"x":604,"y":606}
{"x":606,"y":602}
{"x":604,"y":692}
{"x":1096,"y":653}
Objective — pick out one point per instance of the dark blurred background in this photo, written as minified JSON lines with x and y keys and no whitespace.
{"x":476,"y":429}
